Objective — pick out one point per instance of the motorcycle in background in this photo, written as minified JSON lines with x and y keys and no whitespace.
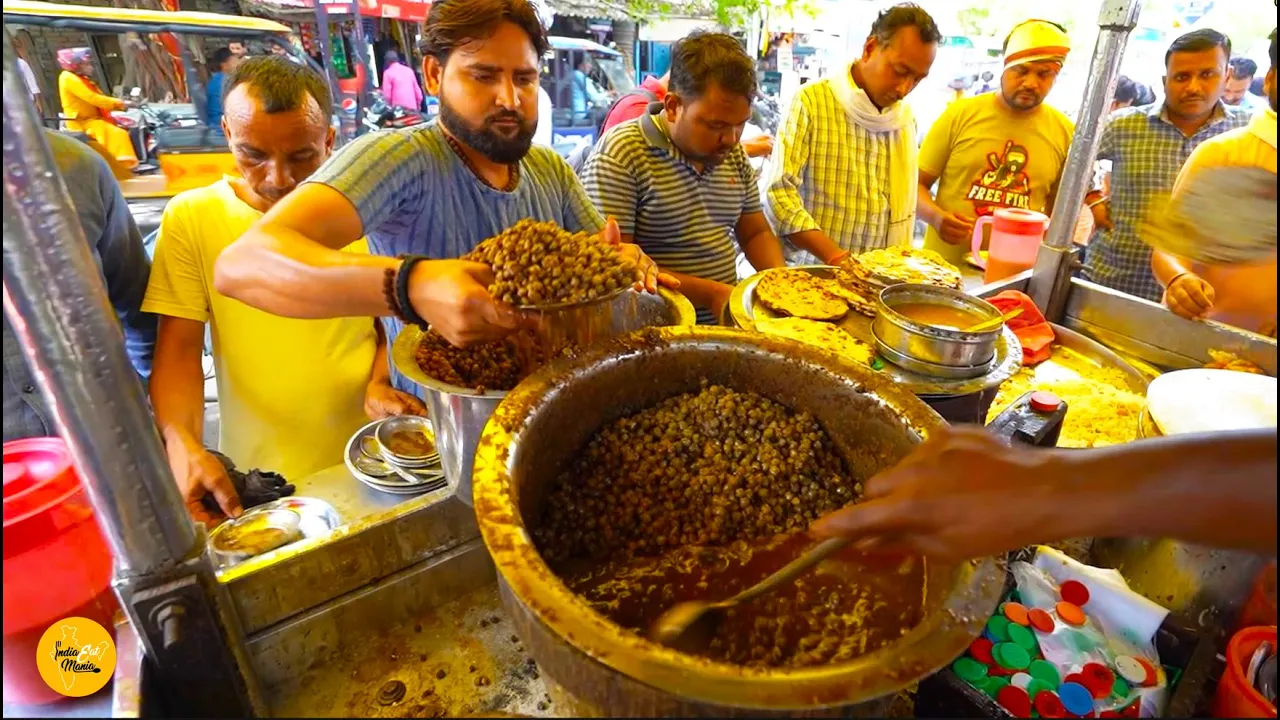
{"x":380,"y":115}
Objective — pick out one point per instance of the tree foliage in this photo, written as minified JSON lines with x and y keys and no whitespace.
{"x":731,"y":13}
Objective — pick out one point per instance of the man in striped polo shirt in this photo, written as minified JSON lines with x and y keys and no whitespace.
{"x":679,"y":182}
{"x":432,"y":191}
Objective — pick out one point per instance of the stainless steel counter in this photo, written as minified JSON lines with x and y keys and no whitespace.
{"x":458,"y":658}
{"x":353,"y":500}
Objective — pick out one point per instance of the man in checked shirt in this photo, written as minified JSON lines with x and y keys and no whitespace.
{"x":844,"y":176}
{"x":1147,"y":146}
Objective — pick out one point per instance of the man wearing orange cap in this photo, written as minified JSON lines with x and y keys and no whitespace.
{"x":1000,"y":149}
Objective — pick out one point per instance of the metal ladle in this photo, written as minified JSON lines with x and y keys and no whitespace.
{"x":690,"y":625}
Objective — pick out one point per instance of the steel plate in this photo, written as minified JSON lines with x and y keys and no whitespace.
{"x":433,"y":476}
{"x":743,"y":309}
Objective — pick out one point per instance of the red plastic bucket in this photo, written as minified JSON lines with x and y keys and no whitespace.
{"x":56,"y":562}
{"x":1235,"y":697}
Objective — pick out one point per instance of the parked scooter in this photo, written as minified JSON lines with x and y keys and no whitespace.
{"x":380,"y":115}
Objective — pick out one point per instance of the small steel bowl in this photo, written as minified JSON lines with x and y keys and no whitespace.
{"x":931,"y":344}
{"x":387,"y":430}
{"x":254,"y":533}
{"x":928,"y":369}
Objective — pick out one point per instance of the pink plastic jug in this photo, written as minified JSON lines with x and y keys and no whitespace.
{"x":1015,"y":239}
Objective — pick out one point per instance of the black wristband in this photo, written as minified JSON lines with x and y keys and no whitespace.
{"x":408,"y":314}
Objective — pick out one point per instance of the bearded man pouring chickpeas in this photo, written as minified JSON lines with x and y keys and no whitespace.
{"x":427,"y":196}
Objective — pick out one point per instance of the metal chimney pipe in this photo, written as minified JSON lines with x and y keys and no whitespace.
{"x":1051,"y":280}
{"x":57,"y":305}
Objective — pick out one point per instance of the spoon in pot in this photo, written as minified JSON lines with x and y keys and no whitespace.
{"x":690,"y":625}
{"x":994,"y":322}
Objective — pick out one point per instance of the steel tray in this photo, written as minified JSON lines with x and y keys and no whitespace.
{"x":743,"y":309}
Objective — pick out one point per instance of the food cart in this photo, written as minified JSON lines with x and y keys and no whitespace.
{"x":398,"y":612}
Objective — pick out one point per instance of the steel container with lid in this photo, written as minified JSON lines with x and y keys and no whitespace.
{"x":458,"y":414}
{"x":931,"y":349}
{"x":610,"y":671}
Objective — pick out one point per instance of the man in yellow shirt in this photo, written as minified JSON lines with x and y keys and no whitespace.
{"x":290,"y":392}
{"x":1244,"y":294}
{"x":999,"y":149}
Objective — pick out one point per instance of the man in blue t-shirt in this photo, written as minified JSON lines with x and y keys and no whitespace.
{"x":222,"y":62}
{"x":435,"y":190}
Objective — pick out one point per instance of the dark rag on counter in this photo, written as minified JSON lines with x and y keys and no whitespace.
{"x":1032,"y":330}
{"x":256,"y":487}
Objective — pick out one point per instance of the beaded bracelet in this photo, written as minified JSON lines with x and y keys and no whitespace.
{"x":407,"y":312}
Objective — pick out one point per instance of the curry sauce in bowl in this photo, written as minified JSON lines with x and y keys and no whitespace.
{"x":407,"y":440}
{"x":926,"y":323}
{"x":946,"y":317}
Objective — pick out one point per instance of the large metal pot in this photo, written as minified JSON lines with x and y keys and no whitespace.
{"x":459,"y":414}
{"x":903,"y":339}
{"x":543,"y":423}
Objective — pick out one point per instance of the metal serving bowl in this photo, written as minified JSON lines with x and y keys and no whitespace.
{"x":967,"y":351}
{"x":542,"y":424}
{"x":458,"y":414}
{"x":386,"y":431}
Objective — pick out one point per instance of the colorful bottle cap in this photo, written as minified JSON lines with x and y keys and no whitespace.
{"x":1038,"y":686}
{"x":1015,"y":700}
{"x":1040,"y":620}
{"x":1011,"y":656}
{"x":1153,"y":675}
{"x":998,"y":628}
{"x":1070,"y":613}
{"x":1075,"y":698}
{"x":1021,"y":680}
{"x":1045,"y":671}
{"x":991,"y":686}
{"x":980,"y":650}
{"x":1120,"y":688}
{"x":1015,"y":612}
{"x":1074,"y":592}
{"x":1076,"y":678}
{"x":1023,"y":638}
{"x":1049,"y":706}
{"x":1133,"y":709}
{"x":1098,"y":678}
{"x":1044,"y":401}
{"x":969,"y":670}
{"x":1132,"y":670}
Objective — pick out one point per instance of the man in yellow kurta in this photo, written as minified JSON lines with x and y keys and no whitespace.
{"x":90,"y":107}
{"x":1243,"y":294}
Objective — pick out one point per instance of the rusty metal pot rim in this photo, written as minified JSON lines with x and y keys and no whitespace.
{"x":571,"y":618}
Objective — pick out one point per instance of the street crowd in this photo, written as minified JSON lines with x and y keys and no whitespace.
{"x":288,"y":261}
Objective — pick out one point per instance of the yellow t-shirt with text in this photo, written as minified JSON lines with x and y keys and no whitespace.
{"x":987,"y":157}
{"x":290,"y":391}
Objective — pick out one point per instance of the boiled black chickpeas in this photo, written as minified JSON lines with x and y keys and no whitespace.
{"x":685,"y":473}
{"x":539,"y":263}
